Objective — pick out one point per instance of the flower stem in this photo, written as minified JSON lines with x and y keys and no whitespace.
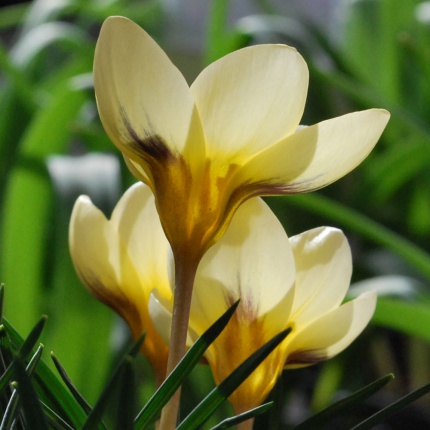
{"x":185,"y":272}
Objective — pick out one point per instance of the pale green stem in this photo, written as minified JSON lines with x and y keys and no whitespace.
{"x":185,"y":272}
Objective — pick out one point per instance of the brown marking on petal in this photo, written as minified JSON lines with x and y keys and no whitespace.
{"x":116,"y":301}
{"x":307,"y":357}
{"x":151,"y":145}
{"x":248,"y":308}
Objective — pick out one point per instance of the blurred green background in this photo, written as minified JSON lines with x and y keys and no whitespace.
{"x":361,"y":54}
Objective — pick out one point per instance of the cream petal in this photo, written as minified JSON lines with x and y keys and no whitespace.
{"x":137,"y":222}
{"x":253,"y":261}
{"x":160,"y":311}
{"x":137,"y":171}
{"x":323,"y":272}
{"x":251,"y":98}
{"x":100,"y":258}
{"x":144,"y":102}
{"x":332,"y":333}
{"x":316,"y":156}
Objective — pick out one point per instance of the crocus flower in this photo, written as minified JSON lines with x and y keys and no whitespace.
{"x":296,"y":283}
{"x":232,"y":135}
{"x":121,"y":260}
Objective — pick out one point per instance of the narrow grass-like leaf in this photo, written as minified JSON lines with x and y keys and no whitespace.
{"x":230,"y":422}
{"x":54,"y":420}
{"x":219,"y":394}
{"x":412,"y":318}
{"x":69,"y":384}
{"x":342,"y":406}
{"x":30,"y":404}
{"x":9,"y":414}
{"x":153,"y":407}
{"x":95,"y":417}
{"x":24,"y":350}
{"x":385,"y":413}
{"x":50,"y":389}
{"x":126,"y":397}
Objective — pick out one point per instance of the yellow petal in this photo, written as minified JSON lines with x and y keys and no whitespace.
{"x":251,"y":98}
{"x":332,"y":333}
{"x":144,"y":102}
{"x":318,"y":155}
{"x":253,"y":261}
{"x":136,"y":221}
{"x":101,"y":260}
{"x":323,"y":273}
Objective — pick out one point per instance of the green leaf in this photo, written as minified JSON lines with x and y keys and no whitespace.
{"x":28,"y":191}
{"x":31,"y":407}
{"x":11,"y":409}
{"x":94,"y":418}
{"x":385,"y":413}
{"x":411,"y":318}
{"x":69,"y":384}
{"x":219,"y":394}
{"x":126,"y":397}
{"x":25,"y":349}
{"x":55,"y":421}
{"x":230,"y":422}
{"x":50,"y":389}
{"x":153,"y":407}
{"x":343,"y":406}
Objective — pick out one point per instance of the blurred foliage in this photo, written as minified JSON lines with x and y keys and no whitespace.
{"x":378,"y":56}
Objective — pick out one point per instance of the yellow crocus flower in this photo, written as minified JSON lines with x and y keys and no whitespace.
{"x":121,"y":260}
{"x":298,"y":283}
{"x":232,"y":135}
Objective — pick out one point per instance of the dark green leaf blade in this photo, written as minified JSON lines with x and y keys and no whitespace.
{"x":127,"y":397}
{"x":25,"y":349}
{"x":50,"y":389}
{"x":385,"y":413}
{"x":31,"y":407}
{"x":230,"y":422}
{"x":69,"y":384}
{"x":153,"y":408}
{"x":325,"y":416}
{"x":95,"y":417}
{"x":11,"y":409}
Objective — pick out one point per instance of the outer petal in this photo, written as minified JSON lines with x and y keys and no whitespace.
{"x":251,"y":98}
{"x":144,"y":102}
{"x":102,"y":262}
{"x":332,"y":333}
{"x":316,"y":156}
{"x":160,"y":311}
{"x":324,"y":267}
{"x":253,"y":261}
{"x":136,"y":220}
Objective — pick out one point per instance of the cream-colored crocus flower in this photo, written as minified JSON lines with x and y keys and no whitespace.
{"x":122,"y":260}
{"x":296,"y":283}
{"x":232,"y":135}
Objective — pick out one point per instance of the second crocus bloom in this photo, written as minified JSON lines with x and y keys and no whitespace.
{"x":122,"y":259}
{"x":298,"y":283}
